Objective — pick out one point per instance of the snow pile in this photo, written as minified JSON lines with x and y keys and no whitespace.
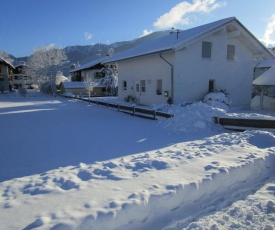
{"x":193,"y":118}
{"x":218,"y":100}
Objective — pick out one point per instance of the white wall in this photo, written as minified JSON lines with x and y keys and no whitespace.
{"x":88,"y":73}
{"x":192,"y":73}
{"x":149,"y":68}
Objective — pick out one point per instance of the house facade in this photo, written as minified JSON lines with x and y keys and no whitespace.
{"x":5,"y":75}
{"x":91,"y":70}
{"x":20,"y":76}
{"x":185,"y":66}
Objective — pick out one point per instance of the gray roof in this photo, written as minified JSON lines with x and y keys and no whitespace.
{"x":78,"y":85}
{"x":267,"y":78}
{"x":89,"y":64}
{"x":172,"y":42}
{"x":73,"y":84}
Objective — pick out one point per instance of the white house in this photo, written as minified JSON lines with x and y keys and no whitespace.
{"x":184,"y":66}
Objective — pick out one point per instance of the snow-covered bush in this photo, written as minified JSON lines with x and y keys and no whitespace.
{"x":218,"y":99}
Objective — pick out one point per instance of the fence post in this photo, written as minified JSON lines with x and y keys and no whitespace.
{"x":154,"y":114}
{"x":216,"y":120}
{"x":134,"y":111}
{"x":118,"y":107}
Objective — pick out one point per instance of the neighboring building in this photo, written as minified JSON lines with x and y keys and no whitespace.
{"x":20,"y":77}
{"x":264,"y":87}
{"x":6,"y":70}
{"x":185,"y":65}
{"x":90,"y":69}
{"x":262,"y":66}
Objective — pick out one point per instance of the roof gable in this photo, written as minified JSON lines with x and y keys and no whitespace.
{"x":89,"y":64}
{"x":169,"y":42}
{"x":177,"y":41}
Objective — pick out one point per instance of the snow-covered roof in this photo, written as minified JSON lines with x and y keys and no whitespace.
{"x":78,"y":85}
{"x":73,"y":84}
{"x":267,"y":78}
{"x":266,"y":63}
{"x":6,"y":62}
{"x":176,"y":41}
{"x":89,"y":64}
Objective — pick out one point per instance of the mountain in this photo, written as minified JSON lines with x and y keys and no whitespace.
{"x":83,"y":54}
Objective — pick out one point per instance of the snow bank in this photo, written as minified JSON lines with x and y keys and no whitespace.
{"x":142,"y":191}
{"x":193,"y":118}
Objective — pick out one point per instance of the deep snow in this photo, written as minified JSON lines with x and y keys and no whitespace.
{"x":67,"y":164}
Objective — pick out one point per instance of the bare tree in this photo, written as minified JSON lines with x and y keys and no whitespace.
{"x":89,"y":85}
{"x":44,"y":64}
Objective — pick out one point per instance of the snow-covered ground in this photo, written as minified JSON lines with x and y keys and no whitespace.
{"x":67,"y":164}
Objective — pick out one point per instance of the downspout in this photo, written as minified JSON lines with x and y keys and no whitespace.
{"x":172,"y":77}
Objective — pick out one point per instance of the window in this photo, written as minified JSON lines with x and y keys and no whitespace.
{"x":137,"y":87}
{"x":159,"y":87}
{"x":206,"y":49}
{"x":142,"y":84}
{"x":124,"y":85}
{"x":211,"y":86}
{"x":230,"y":52}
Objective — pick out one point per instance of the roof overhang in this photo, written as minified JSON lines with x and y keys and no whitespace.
{"x":2,"y":60}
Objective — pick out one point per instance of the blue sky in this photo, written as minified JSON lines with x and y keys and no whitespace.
{"x":29,"y":24}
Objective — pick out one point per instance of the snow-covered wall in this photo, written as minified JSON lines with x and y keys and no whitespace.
{"x":156,"y":211}
{"x":88,"y":73}
{"x":192,"y":72}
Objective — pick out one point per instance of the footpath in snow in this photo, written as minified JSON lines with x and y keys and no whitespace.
{"x":179,"y":173}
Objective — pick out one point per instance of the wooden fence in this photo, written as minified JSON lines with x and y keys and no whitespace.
{"x":245,"y":124}
{"x":132,"y":110}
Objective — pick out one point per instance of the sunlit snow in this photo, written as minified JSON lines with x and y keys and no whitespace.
{"x":68,"y":164}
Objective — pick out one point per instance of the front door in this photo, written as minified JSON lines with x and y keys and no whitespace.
{"x":137,"y":90}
